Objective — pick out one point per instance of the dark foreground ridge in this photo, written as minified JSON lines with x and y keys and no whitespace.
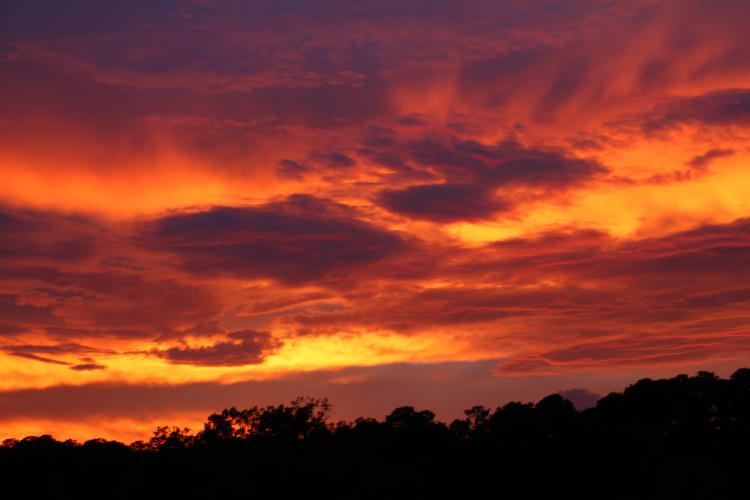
{"x":684,"y":437}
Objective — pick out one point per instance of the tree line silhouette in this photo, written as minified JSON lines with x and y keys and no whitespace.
{"x":683,"y":437}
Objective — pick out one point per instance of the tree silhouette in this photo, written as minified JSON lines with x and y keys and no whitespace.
{"x":684,"y":437}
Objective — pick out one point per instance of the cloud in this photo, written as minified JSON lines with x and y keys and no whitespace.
{"x":88,"y":365}
{"x":47,"y":236}
{"x":245,"y":347}
{"x":414,"y":310}
{"x":58,"y":277}
{"x":482,"y":180}
{"x":505,"y":163}
{"x":581,"y":298}
{"x":291,"y":169}
{"x":146,"y":302}
{"x":6,"y":329}
{"x":35,"y":357}
{"x":32,"y":352}
{"x":411,"y":121}
{"x":656,"y":350}
{"x":443,"y":202}
{"x":335,"y":161}
{"x":324,"y":44}
{"x":66,"y":348}
{"x":302,"y":239}
{"x":727,"y":107}
{"x":14,"y":310}
{"x":701,"y":162}
{"x":112,"y":304}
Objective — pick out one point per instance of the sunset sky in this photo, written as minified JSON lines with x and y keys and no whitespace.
{"x":215,"y":203}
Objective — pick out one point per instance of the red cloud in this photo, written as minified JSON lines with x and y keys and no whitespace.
{"x":302,"y":239}
{"x":246,"y":347}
